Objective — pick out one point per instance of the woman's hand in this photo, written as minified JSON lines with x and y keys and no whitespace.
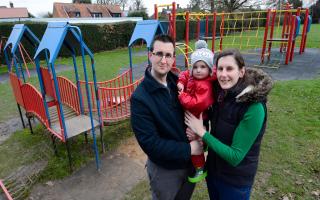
{"x":195,"y":124}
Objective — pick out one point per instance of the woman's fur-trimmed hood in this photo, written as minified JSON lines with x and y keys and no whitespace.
{"x":258,"y":85}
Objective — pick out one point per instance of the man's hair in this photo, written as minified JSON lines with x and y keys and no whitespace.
{"x":162,"y":38}
{"x":235,"y":53}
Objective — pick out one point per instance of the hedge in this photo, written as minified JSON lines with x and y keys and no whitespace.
{"x":101,"y":37}
{"x":98,"y":37}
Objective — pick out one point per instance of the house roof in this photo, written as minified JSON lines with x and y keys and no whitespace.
{"x":95,"y":8}
{"x":63,"y":10}
{"x":114,"y":8}
{"x":13,"y":13}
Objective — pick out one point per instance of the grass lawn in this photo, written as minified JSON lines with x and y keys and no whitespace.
{"x":290,"y":153}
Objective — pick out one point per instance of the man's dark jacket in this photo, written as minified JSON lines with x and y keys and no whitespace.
{"x":158,"y":122}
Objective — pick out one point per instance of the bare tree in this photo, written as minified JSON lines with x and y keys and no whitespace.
{"x":198,"y":5}
{"x":226,"y":5}
{"x":121,"y":3}
{"x":137,"y":5}
{"x":232,"y":5}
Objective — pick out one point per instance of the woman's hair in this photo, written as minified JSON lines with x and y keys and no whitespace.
{"x":236,"y":55}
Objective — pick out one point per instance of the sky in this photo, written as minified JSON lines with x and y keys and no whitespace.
{"x":41,"y":7}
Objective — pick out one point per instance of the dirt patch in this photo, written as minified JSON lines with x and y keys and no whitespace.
{"x":132,"y":150}
{"x":120,"y":170}
{"x":8,"y":127}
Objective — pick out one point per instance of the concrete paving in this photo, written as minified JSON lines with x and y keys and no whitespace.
{"x":120,"y":172}
{"x":304,"y":66}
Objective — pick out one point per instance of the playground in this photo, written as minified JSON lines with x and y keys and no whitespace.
{"x":77,"y":141}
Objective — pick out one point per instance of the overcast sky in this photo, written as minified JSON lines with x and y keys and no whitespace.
{"x":41,"y":7}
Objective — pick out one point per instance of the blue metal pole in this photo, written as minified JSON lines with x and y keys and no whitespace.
{"x":7,"y":60}
{"x":95,"y":87}
{"x":56,"y":87}
{"x":21,"y":68}
{"x":16,"y":66}
{"x":148,"y":49}
{"x":130,"y":60}
{"x":88,"y":98}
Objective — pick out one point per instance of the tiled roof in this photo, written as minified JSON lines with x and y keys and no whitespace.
{"x":66,"y":10}
{"x":114,"y":8}
{"x":13,"y":13}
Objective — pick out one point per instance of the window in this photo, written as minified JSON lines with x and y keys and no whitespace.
{"x":77,"y":14}
{"x":96,"y":15}
{"x":116,"y":15}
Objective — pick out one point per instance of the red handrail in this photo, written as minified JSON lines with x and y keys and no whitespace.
{"x":48,"y":83}
{"x":6,"y":192}
{"x":69,"y":93}
{"x":115,"y":102}
{"x":123,"y":79}
{"x":16,"y":87}
{"x":120,"y":80}
{"x":34,"y":103}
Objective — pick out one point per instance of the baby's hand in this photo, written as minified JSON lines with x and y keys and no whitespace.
{"x":191,"y":135}
{"x":180,"y":87}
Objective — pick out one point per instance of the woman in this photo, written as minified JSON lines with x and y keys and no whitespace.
{"x":238,"y":122}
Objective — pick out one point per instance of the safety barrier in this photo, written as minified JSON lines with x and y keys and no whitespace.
{"x":115,"y":102}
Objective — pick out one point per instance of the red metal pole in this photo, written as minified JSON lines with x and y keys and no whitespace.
{"x":221,"y":30}
{"x":271,"y":32}
{"x":174,"y":20}
{"x":294,"y":35}
{"x":155,"y":11}
{"x":285,"y":21}
{"x":214,"y":30}
{"x":305,"y":38}
{"x":298,"y":11}
{"x":304,"y":31}
{"x":292,"y":28}
{"x":265,"y":36}
{"x":293,"y":40}
{"x":289,"y":24}
{"x":186,"y":64}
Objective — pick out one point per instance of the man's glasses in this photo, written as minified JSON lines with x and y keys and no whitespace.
{"x":160,"y":55}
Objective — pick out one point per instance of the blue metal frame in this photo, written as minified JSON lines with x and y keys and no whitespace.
{"x":145,"y":30}
{"x":52,"y":41}
{"x":309,"y":23}
{"x":74,"y":29}
{"x":18,"y":32}
{"x":298,"y":22}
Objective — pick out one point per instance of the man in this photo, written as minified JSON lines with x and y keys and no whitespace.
{"x":158,"y":123}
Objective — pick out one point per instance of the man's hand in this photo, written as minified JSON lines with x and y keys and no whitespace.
{"x":180,"y":87}
{"x":196,"y":147}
